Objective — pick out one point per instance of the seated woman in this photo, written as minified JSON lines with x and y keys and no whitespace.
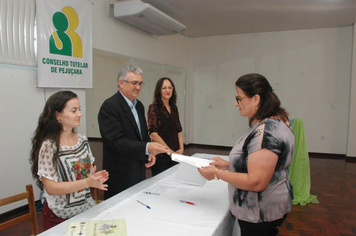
{"x":62,"y":161}
{"x":260,"y":191}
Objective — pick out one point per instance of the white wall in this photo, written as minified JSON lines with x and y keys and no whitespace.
{"x":110,"y":34}
{"x":351,"y":147}
{"x":309,"y":70}
{"x":21,"y":104}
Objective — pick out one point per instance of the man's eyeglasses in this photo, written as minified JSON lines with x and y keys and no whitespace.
{"x":238,"y":98}
{"x":167,"y":88}
{"x":134,"y":83}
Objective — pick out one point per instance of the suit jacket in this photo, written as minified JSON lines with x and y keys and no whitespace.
{"x":124,"y":151}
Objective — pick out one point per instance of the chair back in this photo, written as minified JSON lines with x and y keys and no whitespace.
{"x":31,"y":215}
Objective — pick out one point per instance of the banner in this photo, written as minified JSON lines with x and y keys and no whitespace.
{"x":64,"y":43}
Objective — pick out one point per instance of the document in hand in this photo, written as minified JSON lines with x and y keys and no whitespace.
{"x":116,"y":227}
{"x":194,"y":161}
{"x":188,"y":169}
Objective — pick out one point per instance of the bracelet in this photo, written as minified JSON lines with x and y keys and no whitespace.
{"x":216,"y":173}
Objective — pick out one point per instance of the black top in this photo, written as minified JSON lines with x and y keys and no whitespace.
{"x":166,"y":124}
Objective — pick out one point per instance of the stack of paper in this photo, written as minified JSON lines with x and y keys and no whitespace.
{"x":194,"y":161}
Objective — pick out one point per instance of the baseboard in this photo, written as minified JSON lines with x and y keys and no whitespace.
{"x":204,"y":146}
{"x":327,"y":155}
{"x":95,"y":139}
{"x":226,"y":148}
{"x":15,"y":212}
{"x":350,"y":159}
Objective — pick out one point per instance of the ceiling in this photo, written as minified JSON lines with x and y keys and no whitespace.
{"x":222,"y":17}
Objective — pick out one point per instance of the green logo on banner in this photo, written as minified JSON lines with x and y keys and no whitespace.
{"x":65,"y":41}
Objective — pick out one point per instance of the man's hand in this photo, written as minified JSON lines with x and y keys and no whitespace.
{"x":151,"y":161}
{"x":155,"y":148}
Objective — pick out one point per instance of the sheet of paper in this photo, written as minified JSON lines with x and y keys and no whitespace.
{"x":194,"y":161}
{"x":115,"y":227}
{"x":173,"y":190}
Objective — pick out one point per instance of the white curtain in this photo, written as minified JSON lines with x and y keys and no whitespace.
{"x":18,"y":32}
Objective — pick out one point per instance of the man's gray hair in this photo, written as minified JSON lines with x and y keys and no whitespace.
{"x":130,"y":68}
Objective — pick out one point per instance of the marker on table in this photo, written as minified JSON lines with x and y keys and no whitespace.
{"x":151,"y":193}
{"x":190,"y":203}
{"x":95,"y":176}
{"x":143,"y":204}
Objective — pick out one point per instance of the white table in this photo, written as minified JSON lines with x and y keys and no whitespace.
{"x":167,"y":216}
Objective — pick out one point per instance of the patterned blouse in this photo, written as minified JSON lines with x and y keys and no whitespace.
{"x":166,"y":124}
{"x":276,"y":200}
{"x":74,"y":164}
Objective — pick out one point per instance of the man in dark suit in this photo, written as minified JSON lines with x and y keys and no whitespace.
{"x":127,"y":147}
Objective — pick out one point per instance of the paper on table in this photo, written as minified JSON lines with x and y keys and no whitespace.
{"x":172,"y":190}
{"x":114,"y":227}
{"x":194,"y":161}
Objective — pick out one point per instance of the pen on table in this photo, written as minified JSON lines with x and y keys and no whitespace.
{"x":151,"y":193}
{"x":187,"y":202}
{"x":95,"y":176}
{"x":143,"y":204}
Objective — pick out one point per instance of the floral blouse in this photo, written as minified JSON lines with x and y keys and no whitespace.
{"x":166,"y":124}
{"x":74,"y":164}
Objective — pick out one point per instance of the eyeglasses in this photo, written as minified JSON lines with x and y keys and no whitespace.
{"x":134,"y":83}
{"x":238,"y":98}
{"x":167,"y":88}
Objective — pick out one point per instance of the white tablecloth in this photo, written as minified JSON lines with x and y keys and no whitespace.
{"x":167,"y":216}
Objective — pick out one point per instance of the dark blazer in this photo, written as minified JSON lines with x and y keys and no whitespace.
{"x":124,"y":151}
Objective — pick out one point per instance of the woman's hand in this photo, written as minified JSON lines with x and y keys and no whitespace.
{"x":93,"y":180}
{"x":104,"y":175}
{"x":96,"y":180}
{"x":207,"y":172}
{"x":220,"y":163}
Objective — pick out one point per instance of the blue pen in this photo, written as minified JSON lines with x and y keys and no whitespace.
{"x":144,"y":204}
